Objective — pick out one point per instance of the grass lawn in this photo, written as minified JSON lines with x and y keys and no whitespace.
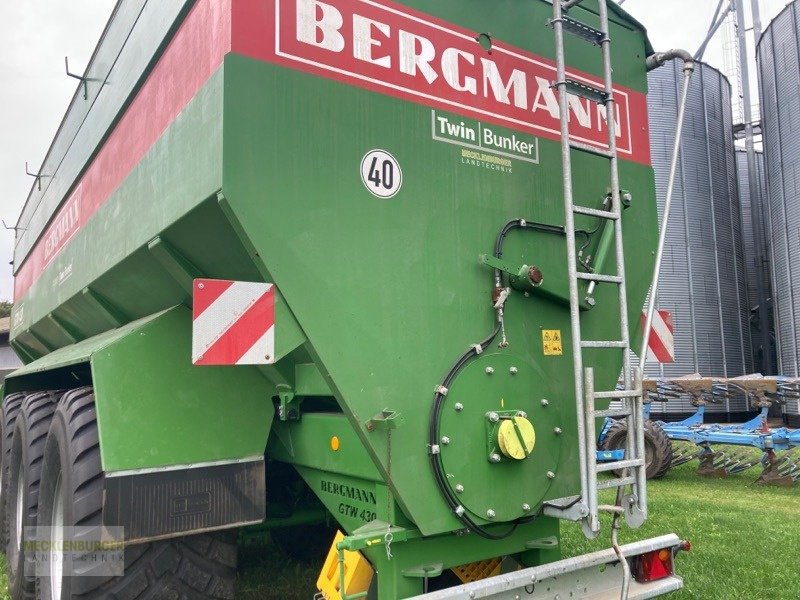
{"x":745,"y":542}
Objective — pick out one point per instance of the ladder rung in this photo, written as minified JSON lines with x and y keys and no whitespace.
{"x":591,"y":149}
{"x":604,"y":344}
{"x":581,"y":30}
{"x":620,"y":464}
{"x":576,"y":88}
{"x":604,"y":484}
{"x":593,"y":212}
{"x":613,"y":413}
{"x":567,"y":4}
{"x":618,"y":394}
{"x":600,"y":278}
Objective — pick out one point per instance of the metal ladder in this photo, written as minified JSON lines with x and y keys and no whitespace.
{"x":633,"y":466}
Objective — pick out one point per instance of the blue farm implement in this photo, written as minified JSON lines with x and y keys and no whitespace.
{"x":722,"y":450}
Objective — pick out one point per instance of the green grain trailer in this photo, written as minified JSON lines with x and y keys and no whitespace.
{"x":304,"y":262}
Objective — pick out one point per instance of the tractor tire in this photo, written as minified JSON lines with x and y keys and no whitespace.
{"x":197,"y":567}
{"x":658,"y":447}
{"x":23,"y":478}
{"x":305,"y":543}
{"x":11,"y":405}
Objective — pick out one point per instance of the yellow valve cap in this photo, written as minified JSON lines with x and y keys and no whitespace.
{"x":516,"y":442}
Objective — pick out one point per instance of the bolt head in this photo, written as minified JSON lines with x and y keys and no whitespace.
{"x":513,"y":370}
{"x":445,"y":440}
{"x":545,"y":402}
{"x":489,"y":370}
{"x":458,"y":406}
{"x":201,"y":286}
{"x":590,"y":300}
{"x":491,"y":514}
{"x":459,"y":488}
{"x":494,"y":417}
{"x":551,"y":475}
{"x":522,"y":414}
{"x":526,"y":507}
{"x":557,"y":431}
{"x":495,"y":458}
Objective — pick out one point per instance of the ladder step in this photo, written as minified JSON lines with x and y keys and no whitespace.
{"x":591,"y":149}
{"x":604,"y":484}
{"x":613,"y":413}
{"x":620,"y":464}
{"x":600,"y":278}
{"x":604,"y":344}
{"x":618,"y":394}
{"x":593,"y":212}
{"x":576,"y":88}
{"x":581,"y":30}
{"x":567,"y":4}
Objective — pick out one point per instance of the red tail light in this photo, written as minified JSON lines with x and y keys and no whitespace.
{"x":652,"y":566}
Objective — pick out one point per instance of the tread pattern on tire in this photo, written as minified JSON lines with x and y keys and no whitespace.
{"x":11,"y":406}
{"x":197,"y":567}
{"x":33,"y":420}
{"x":661,"y":439}
{"x":662,"y":445}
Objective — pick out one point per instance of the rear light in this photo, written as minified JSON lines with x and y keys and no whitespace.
{"x":652,"y":566}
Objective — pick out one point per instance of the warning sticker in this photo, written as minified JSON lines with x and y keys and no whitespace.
{"x":551,"y":341}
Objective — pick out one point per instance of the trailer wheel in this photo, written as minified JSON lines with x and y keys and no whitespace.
{"x":11,"y":406}
{"x":22,"y":484}
{"x":198,"y":567}
{"x":657,"y":446}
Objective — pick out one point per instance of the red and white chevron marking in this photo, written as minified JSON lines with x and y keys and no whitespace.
{"x":661,"y":344}
{"x":233,"y":322}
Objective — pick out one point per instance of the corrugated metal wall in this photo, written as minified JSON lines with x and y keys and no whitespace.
{"x":703,"y":273}
{"x":779,"y":81}
{"x":756,"y":258}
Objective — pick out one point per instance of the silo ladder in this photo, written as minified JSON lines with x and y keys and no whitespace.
{"x":633,"y":467}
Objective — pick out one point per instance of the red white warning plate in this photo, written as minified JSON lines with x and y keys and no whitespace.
{"x":661,"y":343}
{"x":233,"y":322}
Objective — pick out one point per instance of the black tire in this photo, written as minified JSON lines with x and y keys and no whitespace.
{"x":304,"y":542}
{"x":658,"y":447}
{"x":198,"y":567}
{"x":11,"y":405}
{"x":660,"y":438}
{"x":23,"y":478}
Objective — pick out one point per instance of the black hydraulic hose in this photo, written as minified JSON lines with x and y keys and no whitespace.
{"x":441,"y":390}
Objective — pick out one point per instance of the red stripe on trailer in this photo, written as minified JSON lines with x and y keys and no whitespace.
{"x":214,"y":288}
{"x":233,"y":322}
{"x":661,"y":343}
{"x":193,"y":55}
{"x":320,"y":38}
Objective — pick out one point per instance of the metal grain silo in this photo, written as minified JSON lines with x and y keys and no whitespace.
{"x":779,"y":81}
{"x":702,"y":278}
{"x":757,"y":265}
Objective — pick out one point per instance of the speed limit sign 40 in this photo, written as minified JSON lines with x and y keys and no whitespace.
{"x":381,"y":173}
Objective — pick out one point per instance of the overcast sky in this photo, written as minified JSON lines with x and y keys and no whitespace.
{"x":37,"y":34}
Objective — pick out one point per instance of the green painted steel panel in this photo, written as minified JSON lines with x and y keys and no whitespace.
{"x":155,"y":409}
{"x":133,"y":37}
{"x":382,"y":294}
{"x":182,"y":170}
{"x":397,"y":291}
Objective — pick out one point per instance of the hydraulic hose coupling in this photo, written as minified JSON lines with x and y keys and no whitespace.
{"x":659,"y":59}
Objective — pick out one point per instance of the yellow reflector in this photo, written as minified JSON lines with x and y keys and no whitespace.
{"x":478,"y":570}
{"x":335,"y":443}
